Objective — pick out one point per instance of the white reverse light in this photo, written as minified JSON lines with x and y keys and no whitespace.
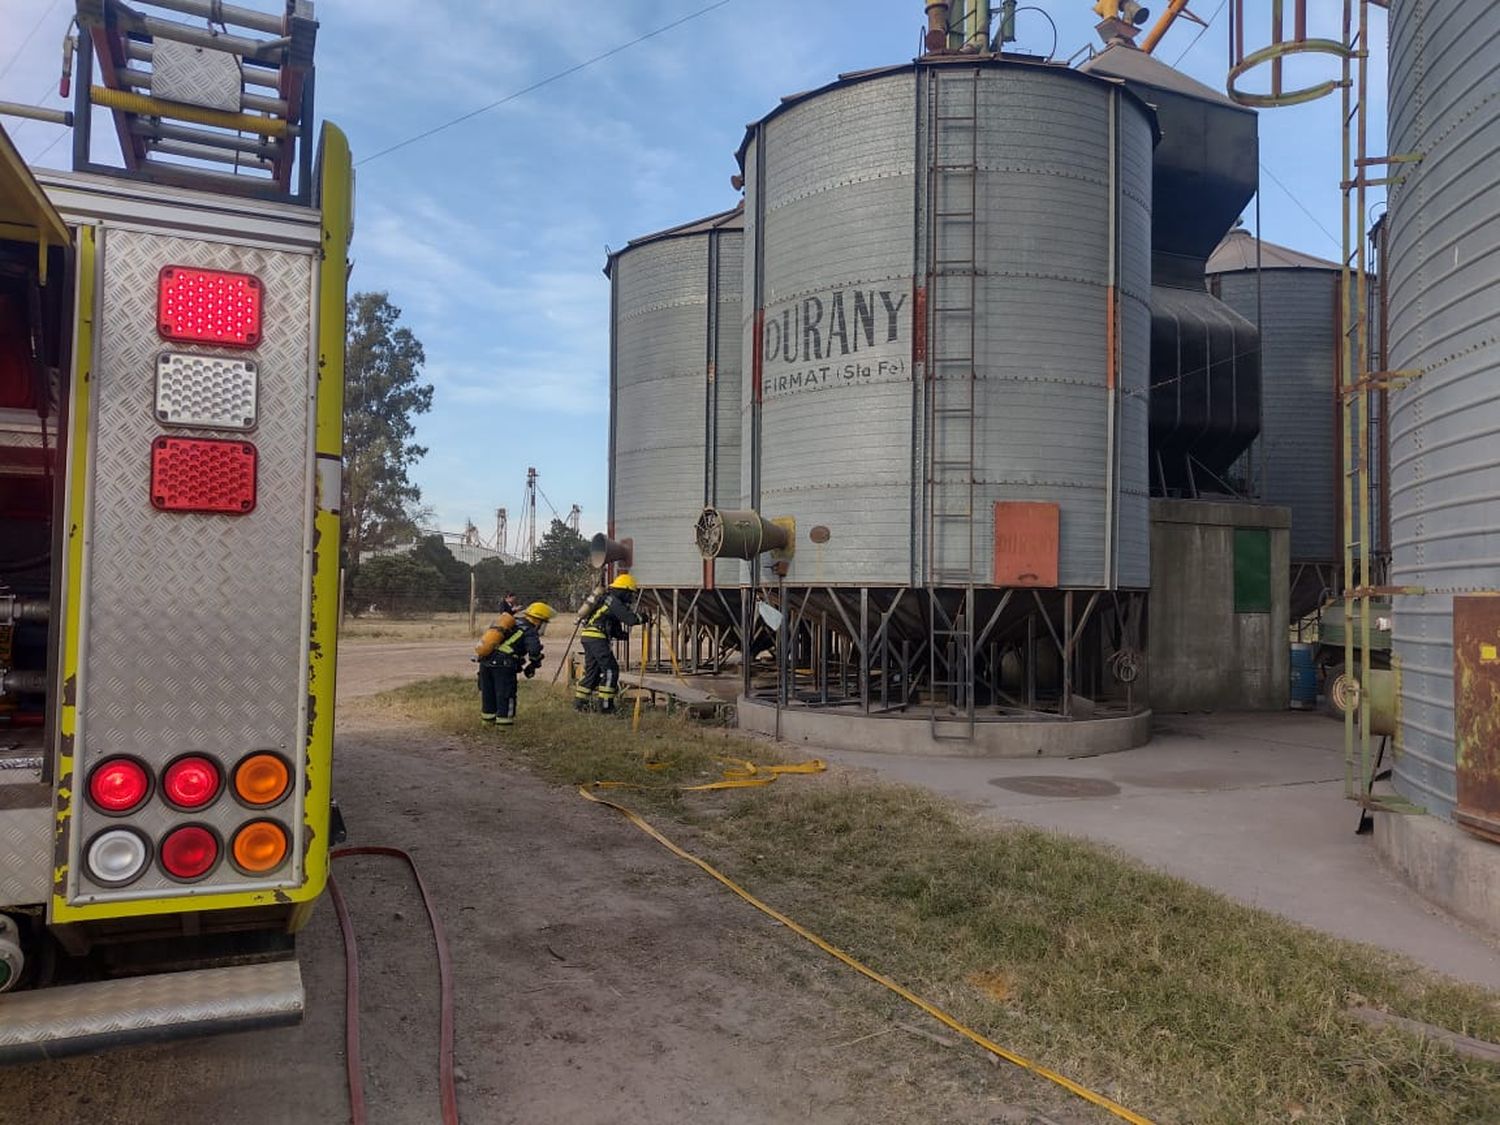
{"x":205,"y":390}
{"x":117,"y":856}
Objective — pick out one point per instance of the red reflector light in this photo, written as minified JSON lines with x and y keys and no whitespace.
{"x":191,"y":782}
{"x":208,"y":306}
{"x":189,"y":852}
{"x":119,"y":785}
{"x":199,"y":475}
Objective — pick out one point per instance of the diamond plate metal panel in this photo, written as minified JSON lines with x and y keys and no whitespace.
{"x":52,"y":1021}
{"x":181,"y":72}
{"x":212,"y":392}
{"x":194,"y":629}
{"x":25,"y":854}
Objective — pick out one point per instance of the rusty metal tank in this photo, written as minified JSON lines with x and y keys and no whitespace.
{"x":675,"y":392}
{"x":1443,"y":273}
{"x":948,"y":284}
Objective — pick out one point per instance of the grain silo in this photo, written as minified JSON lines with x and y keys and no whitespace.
{"x":674,"y":445}
{"x":941,"y":254}
{"x":1443,"y":276}
{"x":948,"y":322}
{"x":675,"y":391}
{"x":1293,"y":298}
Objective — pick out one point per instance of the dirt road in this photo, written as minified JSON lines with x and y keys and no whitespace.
{"x":599,"y":980}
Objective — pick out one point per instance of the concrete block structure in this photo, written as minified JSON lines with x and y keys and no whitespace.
{"x":1219,"y":611}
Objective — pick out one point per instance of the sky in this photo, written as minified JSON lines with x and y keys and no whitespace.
{"x":491,"y":235}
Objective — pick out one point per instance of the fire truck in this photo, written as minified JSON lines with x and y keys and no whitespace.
{"x":171,"y":397}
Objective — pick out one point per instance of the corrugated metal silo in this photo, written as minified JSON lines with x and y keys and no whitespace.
{"x":948,"y":283}
{"x":675,"y":392}
{"x":1443,"y":272}
{"x":1295,"y":298}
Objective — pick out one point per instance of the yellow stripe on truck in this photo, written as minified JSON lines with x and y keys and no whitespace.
{"x":77,"y":504}
{"x":336,"y":188}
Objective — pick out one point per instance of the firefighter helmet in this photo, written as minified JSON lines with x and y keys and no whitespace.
{"x":539,"y":612}
{"x":624,"y":582}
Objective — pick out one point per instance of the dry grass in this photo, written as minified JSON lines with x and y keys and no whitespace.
{"x":428,"y":627}
{"x":1179,"y":1003}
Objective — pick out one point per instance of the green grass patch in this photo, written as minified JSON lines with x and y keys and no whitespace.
{"x":572,"y":748}
{"x":1177,"y":1002}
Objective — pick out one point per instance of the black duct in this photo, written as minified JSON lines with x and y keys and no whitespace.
{"x":1205,"y":358}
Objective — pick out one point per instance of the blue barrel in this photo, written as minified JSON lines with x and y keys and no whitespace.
{"x":1304,"y":678}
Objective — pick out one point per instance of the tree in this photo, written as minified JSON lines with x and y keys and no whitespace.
{"x":562,"y":558}
{"x":453,"y":591}
{"x":396,"y":584}
{"x":560,"y":574}
{"x":382,"y":393}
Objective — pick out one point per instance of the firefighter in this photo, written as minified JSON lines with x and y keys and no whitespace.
{"x":607,"y":621}
{"x":511,"y":646}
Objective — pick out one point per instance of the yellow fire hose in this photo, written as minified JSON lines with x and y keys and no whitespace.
{"x":740,"y":775}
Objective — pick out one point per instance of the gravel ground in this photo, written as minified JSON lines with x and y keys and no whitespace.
{"x":599,"y":980}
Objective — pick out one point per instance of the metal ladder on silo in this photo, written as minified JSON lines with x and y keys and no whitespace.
{"x":1356,"y":382}
{"x":950,"y":378}
{"x":1360,"y":386}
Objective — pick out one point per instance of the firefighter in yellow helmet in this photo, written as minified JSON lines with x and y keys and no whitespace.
{"x":510,"y":647}
{"x":607,"y":620}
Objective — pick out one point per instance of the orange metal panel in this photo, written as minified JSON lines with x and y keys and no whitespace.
{"x":1476,"y":715}
{"x":1026,"y":543}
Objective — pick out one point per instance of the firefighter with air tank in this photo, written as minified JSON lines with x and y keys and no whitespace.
{"x":606,"y":619}
{"x":511,"y":647}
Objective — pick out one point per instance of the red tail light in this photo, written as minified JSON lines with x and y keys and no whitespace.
{"x":119,"y":785}
{"x":199,"y":475}
{"x":208,"y":306}
{"x":189,"y":852}
{"x":191,"y":783}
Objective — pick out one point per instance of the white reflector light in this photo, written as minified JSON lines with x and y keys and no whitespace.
{"x":205,"y":390}
{"x":117,"y":856}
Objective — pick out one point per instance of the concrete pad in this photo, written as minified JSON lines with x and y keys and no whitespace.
{"x":913,"y":734}
{"x":1250,"y":806}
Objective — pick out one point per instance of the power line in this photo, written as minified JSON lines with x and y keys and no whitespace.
{"x":1316,"y":221}
{"x":546,"y":81}
{"x":37,"y":158}
{"x":21,"y":50}
{"x":1202,"y":31}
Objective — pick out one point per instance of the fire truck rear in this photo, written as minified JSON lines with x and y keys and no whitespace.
{"x":171,"y":395}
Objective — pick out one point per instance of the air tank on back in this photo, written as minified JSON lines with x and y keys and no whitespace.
{"x":675,"y":392}
{"x":1443,"y":273}
{"x":947,"y":306}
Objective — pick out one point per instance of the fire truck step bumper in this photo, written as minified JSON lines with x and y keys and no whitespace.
{"x":51,"y":1022}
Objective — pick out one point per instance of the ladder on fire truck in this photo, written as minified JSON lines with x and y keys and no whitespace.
{"x":949,"y":341}
{"x":224,"y":106}
{"x":1360,"y":386}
